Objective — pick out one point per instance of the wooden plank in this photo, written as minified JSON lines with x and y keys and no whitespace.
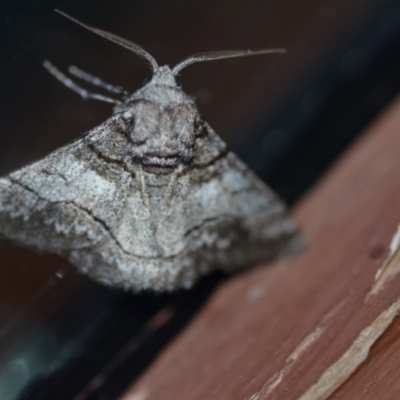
{"x":272,"y":332}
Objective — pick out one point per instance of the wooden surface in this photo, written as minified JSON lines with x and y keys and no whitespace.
{"x":305,"y":327}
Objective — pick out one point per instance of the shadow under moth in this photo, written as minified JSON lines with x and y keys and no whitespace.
{"x":150,"y":199}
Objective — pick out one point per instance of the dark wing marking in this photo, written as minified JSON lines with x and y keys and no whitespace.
{"x":66,"y":200}
{"x":225,"y":215}
{"x":137,"y":230}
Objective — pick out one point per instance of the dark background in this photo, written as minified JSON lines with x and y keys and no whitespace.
{"x":288,"y":116}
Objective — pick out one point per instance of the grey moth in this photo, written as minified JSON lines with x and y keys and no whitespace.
{"x":151,"y":198}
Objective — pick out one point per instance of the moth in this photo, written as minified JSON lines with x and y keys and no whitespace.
{"x":151,"y":198}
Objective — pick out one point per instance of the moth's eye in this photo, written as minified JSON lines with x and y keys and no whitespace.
{"x":128,"y":118}
{"x":138,"y":135}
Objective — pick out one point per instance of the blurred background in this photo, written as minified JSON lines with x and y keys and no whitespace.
{"x":287,"y":116}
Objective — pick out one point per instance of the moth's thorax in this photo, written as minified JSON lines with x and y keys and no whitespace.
{"x":163,"y":89}
{"x":160,"y":120}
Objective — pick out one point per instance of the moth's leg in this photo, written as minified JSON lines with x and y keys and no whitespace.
{"x":143,"y":190}
{"x":171,"y":186}
{"x":94,"y":80}
{"x":169,"y":195}
{"x":76,"y":88}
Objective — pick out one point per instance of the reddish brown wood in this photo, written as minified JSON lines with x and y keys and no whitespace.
{"x":379,"y":376}
{"x":245,"y":340}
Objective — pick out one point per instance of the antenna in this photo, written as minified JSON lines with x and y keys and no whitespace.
{"x":218,"y":55}
{"x":198,"y":57}
{"x":116,"y":39}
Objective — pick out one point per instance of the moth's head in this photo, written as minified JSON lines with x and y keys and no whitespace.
{"x":159,"y":120}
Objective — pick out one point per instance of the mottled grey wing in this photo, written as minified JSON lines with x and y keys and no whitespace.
{"x":234,"y":219}
{"x":67,"y":201}
{"x":86,"y":201}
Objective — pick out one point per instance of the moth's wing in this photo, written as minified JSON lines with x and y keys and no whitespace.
{"x":233,"y":219}
{"x":70,"y":199}
{"x":84,"y":201}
